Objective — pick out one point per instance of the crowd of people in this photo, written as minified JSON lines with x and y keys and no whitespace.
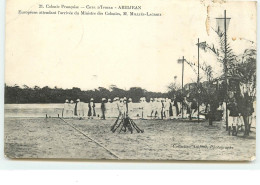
{"x":155,"y":108}
{"x":159,"y":108}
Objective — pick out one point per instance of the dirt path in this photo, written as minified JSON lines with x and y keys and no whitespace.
{"x":51,"y":138}
{"x":165,"y":140}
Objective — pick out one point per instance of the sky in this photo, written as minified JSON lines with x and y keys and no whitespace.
{"x":93,"y":51}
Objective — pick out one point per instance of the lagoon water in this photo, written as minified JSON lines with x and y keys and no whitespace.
{"x":40,"y":110}
{"x":52,"y":110}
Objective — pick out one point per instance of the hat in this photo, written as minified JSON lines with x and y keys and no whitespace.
{"x":71,"y":101}
{"x":109,"y":100}
{"x":103,"y":99}
{"x":91,"y":99}
{"x":78,"y":99}
{"x":125,"y":98}
{"x":151,"y":99}
{"x":130,"y":99}
{"x":67,"y":101}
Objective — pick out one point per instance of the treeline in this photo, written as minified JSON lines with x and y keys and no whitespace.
{"x":25,"y":94}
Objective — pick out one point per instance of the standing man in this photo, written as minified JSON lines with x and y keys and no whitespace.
{"x":193,"y":109}
{"x":121,"y":105}
{"x":167,"y":108}
{"x":141,"y":108}
{"x":233,"y":117}
{"x":158,"y":108}
{"x":109,"y":108}
{"x":71,"y":108}
{"x":115,"y":107}
{"x":162,"y":108}
{"x":130,"y":108}
{"x":185,"y":107}
{"x":175,"y":111}
{"x":79,"y":109}
{"x":91,"y":109}
{"x":65,"y":111}
{"x":125,"y":107}
{"x":103,"y":108}
{"x":152,"y":108}
{"x":145,"y":108}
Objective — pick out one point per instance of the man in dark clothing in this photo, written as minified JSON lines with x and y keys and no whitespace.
{"x":193,"y":108}
{"x":233,"y":117}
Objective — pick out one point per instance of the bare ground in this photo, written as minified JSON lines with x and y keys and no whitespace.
{"x":161,"y":140}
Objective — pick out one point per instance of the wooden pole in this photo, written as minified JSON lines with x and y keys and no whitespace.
{"x":182,"y":86}
{"x":198,"y":82}
{"x":225,"y":63}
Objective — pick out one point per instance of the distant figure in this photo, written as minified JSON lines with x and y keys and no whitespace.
{"x":158,"y":108}
{"x":233,"y":117}
{"x":125,"y":107}
{"x":79,"y":109}
{"x":152,"y":108}
{"x":162,"y":108}
{"x":167,"y":108}
{"x":174,"y":108}
{"x":91,"y":109}
{"x":115,"y":107}
{"x":203,"y":111}
{"x":109,"y":108}
{"x":224,"y":112}
{"x":121,"y":105}
{"x":71,"y":108}
{"x":141,"y":108}
{"x":103,"y":108}
{"x":130,"y":108}
{"x":220,"y":107}
{"x":185,"y":105}
{"x":145,"y":108}
{"x":65,"y":111}
{"x":194,"y":109}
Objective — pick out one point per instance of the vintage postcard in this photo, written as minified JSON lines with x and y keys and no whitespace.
{"x":139,"y":79}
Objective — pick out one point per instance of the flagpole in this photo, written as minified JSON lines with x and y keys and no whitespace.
{"x":198,"y":77}
{"x":225,"y":28}
{"x":182,"y":86}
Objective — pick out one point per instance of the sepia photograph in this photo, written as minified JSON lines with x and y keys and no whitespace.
{"x":135,"y":80}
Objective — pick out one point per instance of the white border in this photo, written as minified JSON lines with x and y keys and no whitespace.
{"x":79,"y":165}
